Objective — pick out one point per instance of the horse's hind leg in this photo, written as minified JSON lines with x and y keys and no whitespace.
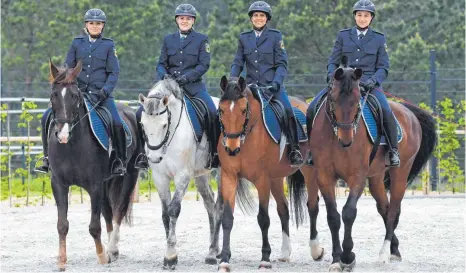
{"x":398,"y":181}
{"x":202,"y":184}
{"x":377,"y":189}
{"x":120,"y":193}
{"x":60,"y":194}
{"x":284,"y":214}
{"x":309,"y":173}
{"x":94,"y":227}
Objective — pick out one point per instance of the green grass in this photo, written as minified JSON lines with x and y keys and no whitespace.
{"x":41,"y":185}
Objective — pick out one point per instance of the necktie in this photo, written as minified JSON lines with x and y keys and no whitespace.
{"x":257,"y":38}
{"x":360,"y":36}
{"x":182,"y":39}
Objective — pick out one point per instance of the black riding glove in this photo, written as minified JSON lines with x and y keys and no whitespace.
{"x":182,"y":80}
{"x":102,"y":94}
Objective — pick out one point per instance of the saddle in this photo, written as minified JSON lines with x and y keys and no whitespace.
{"x":275,"y":118}
{"x":198,"y":114}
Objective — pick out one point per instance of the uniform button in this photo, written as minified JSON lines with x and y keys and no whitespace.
{"x":255,"y":50}
{"x":89,"y":56}
{"x":87,"y":76}
{"x":257,"y":71}
{"x":181,"y":51}
{"x":357,"y":60}
{"x":358,"y":49}
{"x":255,"y":61}
{"x":89,"y":66}
{"x":181,"y":62}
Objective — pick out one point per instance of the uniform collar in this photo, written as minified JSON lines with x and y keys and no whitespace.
{"x":363,"y":32}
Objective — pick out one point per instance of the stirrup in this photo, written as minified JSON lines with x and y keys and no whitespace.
{"x":294,"y":152}
{"x":141,"y":162}
{"x":392,"y":153}
{"x":41,"y":169}
{"x":117,"y":163}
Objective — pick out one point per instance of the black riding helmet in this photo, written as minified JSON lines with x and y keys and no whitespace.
{"x":364,"y":5}
{"x":95,"y":15}
{"x":262,"y":7}
{"x":186,"y":10}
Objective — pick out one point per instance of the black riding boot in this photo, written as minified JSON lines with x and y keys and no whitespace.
{"x":44,"y":168}
{"x":141,"y":161}
{"x":213,"y":136}
{"x":294,"y":154}
{"x":392,"y":134}
{"x":119,"y":141}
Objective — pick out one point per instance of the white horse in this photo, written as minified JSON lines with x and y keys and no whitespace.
{"x":174,"y":154}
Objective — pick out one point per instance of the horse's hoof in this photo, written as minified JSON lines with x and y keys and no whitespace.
{"x":223,"y":267}
{"x":113,"y":256}
{"x":219,"y":255}
{"x":348,"y":267}
{"x":319,"y":255}
{"x":61,"y":267}
{"x":265,"y":265}
{"x":170,"y":263}
{"x":284,"y":259}
{"x":395,"y":258}
{"x":211,"y":260}
{"x":336,"y":267}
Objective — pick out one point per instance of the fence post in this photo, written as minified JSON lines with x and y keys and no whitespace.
{"x":29,"y":163}
{"x":433,"y":105}
{"x":9,"y":158}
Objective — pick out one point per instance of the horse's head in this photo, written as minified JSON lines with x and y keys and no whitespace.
{"x":65,"y":98}
{"x":343,"y":104}
{"x":234,"y":113}
{"x":156,"y":118}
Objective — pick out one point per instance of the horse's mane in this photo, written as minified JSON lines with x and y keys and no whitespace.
{"x":165,"y":88}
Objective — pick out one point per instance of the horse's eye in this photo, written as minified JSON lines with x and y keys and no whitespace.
{"x":243,"y":112}
{"x":164,"y":126}
{"x":220,"y":111}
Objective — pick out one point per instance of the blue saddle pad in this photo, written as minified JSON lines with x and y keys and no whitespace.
{"x":371,"y":123}
{"x":193,"y":118}
{"x":273,"y":125}
{"x":100,"y":130}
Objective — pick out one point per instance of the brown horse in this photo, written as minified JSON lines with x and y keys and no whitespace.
{"x":247,"y":151}
{"x":341,"y":151}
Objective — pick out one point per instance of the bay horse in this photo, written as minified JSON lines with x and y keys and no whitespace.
{"x":341,"y":148}
{"x":76,"y":158}
{"x":174,"y":153}
{"x":248,"y":152}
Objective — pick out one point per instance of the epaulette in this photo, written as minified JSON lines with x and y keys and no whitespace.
{"x":105,"y":38}
{"x":246,"y":32}
{"x":274,"y":30}
{"x":346,"y":29}
{"x":378,"y":32}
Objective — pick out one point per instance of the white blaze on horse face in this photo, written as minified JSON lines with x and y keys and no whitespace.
{"x":232,"y":105}
{"x":63,"y":134}
{"x":63,"y":94}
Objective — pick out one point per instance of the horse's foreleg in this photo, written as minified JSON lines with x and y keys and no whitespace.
{"x":162,"y":183}
{"x":263,"y":190}
{"x":228,"y":186}
{"x":94,"y":227}
{"x":349,"y":212}
{"x":171,"y":255}
{"x":284,"y":214}
{"x":326,"y":184}
{"x":107,"y":214}
{"x":398,"y":178}
{"x":60,"y":194}
{"x":202,"y":184}
{"x":309,"y":173}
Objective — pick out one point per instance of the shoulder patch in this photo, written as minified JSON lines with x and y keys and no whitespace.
{"x":115,"y":52}
{"x":282,"y":45}
{"x":207,"y":47}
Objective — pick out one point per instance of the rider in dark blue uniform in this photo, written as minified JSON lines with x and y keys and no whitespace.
{"x":365,"y":49}
{"x":263,"y":51}
{"x":185,"y":56}
{"x":98,"y":78}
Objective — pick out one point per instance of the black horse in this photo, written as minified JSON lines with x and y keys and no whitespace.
{"x":76,"y":158}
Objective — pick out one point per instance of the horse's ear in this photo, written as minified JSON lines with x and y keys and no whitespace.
{"x":339,"y":74}
{"x":142,"y":98}
{"x":75,"y":73}
{"x":53,"y":70}
{"x":242,"y":84}
{"x":223,"y":83}
{"x":357,"y":74}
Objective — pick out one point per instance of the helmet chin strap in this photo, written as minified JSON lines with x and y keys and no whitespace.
{"x":94,"y":36}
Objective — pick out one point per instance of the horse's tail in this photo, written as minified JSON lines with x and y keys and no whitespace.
{"x":298,"y":196}
{"x":114,"y":190}
{"x":244,"y":198}
{"x":428,"y":143}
